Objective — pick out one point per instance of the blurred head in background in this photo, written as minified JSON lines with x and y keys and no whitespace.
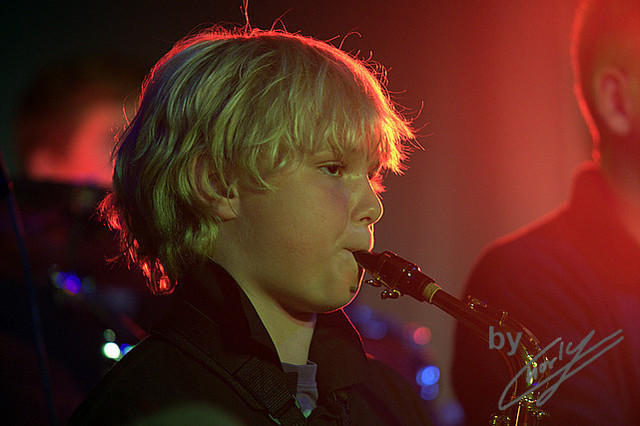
{"x":606,"y":62}
{"x":69,"y":116}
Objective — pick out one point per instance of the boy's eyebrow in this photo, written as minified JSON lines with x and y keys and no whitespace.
{"x":374,"y":163}
{"x":325,"y":154}
{"x":329,"y":151}
{"x":324,"y":151}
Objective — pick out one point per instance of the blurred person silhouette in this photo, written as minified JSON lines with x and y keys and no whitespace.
{"x":578,"y":268}
{"x":64,"y":132}
{"x":66,"y":122}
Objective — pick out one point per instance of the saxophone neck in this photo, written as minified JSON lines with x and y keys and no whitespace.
{"x":399,"y":277}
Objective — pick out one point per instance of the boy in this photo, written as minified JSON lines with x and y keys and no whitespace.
{"x":245,"y":181}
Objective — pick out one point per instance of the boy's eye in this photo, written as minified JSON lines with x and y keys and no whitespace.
{"x":333,"y":169}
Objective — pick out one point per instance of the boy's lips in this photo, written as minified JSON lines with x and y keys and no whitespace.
{"x":354,"y":288}
{"x":351,"y":256}
{"x":362,"y":246}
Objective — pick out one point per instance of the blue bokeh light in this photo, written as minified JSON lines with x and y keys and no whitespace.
{"x":72,"y":283}
{"x":375,"y":330}
{"x":124,"y":348}
{"x":429,"y":393}
{"x":451,"y":413}
{"x":428,"y":375}
{"x":361,"y":313}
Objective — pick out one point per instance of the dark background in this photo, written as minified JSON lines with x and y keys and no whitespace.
{"x":488,"y":83}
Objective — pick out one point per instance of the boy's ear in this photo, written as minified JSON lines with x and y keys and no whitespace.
{"x":613,"y":101}
{"x":227,"y":205}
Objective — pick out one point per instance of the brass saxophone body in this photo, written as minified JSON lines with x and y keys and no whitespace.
{"x":400,"y":276}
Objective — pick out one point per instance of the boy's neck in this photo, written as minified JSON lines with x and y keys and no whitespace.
{"x":293,"y":342}
{"x":291,"y":334}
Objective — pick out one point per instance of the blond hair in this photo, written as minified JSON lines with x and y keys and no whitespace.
{"x":224,"y":106}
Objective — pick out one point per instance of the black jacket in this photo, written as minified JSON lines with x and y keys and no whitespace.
{"x":211,"y":361}
{"x":571,"y":272}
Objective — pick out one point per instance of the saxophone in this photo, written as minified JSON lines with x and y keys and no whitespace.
{"x":400,"y":276}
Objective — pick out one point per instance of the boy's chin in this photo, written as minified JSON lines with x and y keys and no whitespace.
{"x":334,"y":303}
{"x":346,"y":299}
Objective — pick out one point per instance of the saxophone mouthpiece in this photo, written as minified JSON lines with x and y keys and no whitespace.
{"x":397,"y":274}
{"x":366,"y":259}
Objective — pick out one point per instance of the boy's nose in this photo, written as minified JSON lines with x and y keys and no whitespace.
{"x":369,"y":209}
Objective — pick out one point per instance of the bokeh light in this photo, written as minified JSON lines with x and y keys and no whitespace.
{"x":428,"y":375}
{"x":109,"y":335}
{"x":429,"y":393}
{"x":111,"y":350}
{"x":375,"y":330}
{"x":72,"y":283}
{"x":361,"y":313}
{"x":124,"y":348}
{"x":67,"y":281}
{"x":421,"y":336}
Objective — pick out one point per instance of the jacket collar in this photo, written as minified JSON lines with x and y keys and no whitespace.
{"x":592,"y":219}
{"x":229,"y":323}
